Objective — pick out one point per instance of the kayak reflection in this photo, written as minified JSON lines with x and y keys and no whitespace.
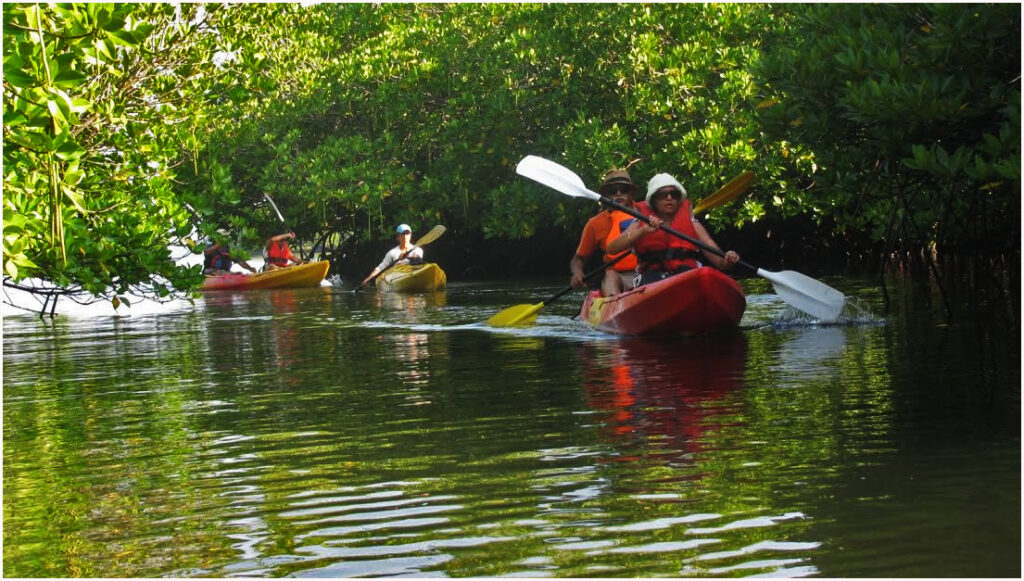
{"x":665,"y":393}
{"x":409,"y":301}
{"x":284,"y":332}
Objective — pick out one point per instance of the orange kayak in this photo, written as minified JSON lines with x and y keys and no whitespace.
{"x":298,"y":276}
{"x":694,"y":302}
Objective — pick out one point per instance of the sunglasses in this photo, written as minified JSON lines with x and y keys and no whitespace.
{"x":619,"y":190}
{"x":667,"y":193}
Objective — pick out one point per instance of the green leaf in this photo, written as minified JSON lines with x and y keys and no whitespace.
{"x":19,"y":78}
{"x":122,"y":37}
{"x":73,"y":178}
{"x":14,"y":118}
{"x":69,"y":79}
{"x":70,"y":151}
{"x":76,"y":199}
{"x":24,"y":261}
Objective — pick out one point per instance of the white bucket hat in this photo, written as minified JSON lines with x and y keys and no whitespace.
{"x":663,"y":180}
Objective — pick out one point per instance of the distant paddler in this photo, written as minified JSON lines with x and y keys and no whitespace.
{"x":279,"y":253}
{"x":217,"y":259}
{"x":404,"y":253}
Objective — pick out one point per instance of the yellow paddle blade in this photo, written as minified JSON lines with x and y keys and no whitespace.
{"x":516,"y":316}
{"x":726,"y":193}
{"x":429,"y":237}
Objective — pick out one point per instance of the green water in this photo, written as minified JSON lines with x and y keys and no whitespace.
{"x":321,"y":433}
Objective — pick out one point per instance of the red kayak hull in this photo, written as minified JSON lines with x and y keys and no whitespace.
{"x":695,"y":302}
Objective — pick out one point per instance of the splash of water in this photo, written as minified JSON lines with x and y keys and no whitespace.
{"x":854,"y":312}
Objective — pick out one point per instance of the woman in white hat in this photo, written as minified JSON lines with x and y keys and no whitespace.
{"x":660,"y":254}
{"x":404,"y":253}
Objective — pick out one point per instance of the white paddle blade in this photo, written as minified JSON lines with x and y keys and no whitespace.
{"x":806,"y":294}
{"x":554,"y":176}
{"x":274,"y":206}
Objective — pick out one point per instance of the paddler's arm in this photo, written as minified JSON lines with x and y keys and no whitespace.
{"x":726,"y":263}
{"x":636,"y":230}
{"x":369,"y":276}
{"x":414,"y":252}
{"x":576,"y":268}
{"x":389,"y":259}
{"x":246,"y":266}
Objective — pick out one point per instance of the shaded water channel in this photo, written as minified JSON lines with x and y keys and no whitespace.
{"x":321,"y":433}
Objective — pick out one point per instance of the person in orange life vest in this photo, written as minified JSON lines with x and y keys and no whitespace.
{"x":660,"y":254}
{"x":601,"y":229}
{"x":279,"y":254}
{"x":217,"y":258}
{"x":404,"y":253}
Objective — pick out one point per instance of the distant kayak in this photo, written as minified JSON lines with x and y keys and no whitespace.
{"x":697,"y":301}
{"x":298,"y":276}
{"x":412,"y":278}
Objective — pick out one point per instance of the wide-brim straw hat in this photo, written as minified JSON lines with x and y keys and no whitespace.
{"x":615,"y":178}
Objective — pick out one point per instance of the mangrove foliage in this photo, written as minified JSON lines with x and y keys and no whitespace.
{"x":134,"y":129}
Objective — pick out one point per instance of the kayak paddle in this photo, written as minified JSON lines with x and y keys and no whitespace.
{"x":726,"y":193}
{"x":798,"y":290}
{"x":427,"y":238}
{"x":523,"y":315}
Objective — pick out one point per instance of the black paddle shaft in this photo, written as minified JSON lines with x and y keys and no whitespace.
{"x":586,"y":275}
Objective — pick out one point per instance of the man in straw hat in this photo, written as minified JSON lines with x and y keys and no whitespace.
{"x":604,"y":227}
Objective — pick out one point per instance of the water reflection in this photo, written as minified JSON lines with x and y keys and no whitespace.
{"x":297,"y":433}
{"x":412,"y":304}
{"x":810,"y":350}
{"x":666,"y":391}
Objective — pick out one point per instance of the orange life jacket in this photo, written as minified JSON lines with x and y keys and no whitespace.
{"x":278,"y":252}
{"x":665,"y":252}
{"x":620,"y":221}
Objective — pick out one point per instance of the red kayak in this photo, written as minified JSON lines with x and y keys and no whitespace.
{"x":694,"y":302}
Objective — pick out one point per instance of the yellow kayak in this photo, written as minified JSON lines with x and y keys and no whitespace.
{"x":298,"y":276}
{"x":413,"y":278}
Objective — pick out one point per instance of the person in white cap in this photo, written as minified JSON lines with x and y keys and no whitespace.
{"x":660,"y":254}
{"x":404,"y":253}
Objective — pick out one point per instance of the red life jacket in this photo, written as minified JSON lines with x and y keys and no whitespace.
{"x":278,"y":252}
{"x":620,"y":221}
{"x":662,"y":251}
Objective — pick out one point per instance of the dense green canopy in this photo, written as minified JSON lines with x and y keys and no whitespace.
{"x":129,"y":128}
